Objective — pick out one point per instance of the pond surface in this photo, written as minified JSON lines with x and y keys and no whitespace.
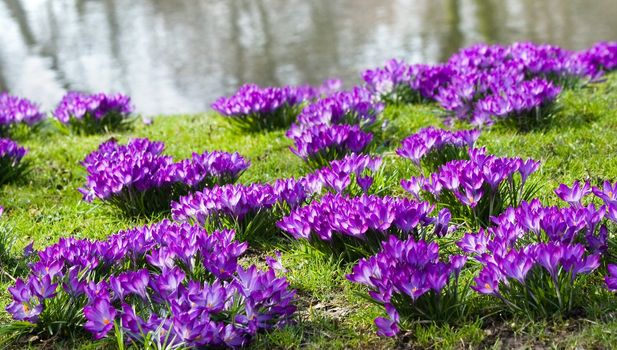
{"x":177,"y":56}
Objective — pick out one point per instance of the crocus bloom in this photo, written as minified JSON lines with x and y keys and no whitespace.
{"x":78,"y":106}
{"x":100,"y":316}
{"x":611,"y":278}
{"x":575,"y":194}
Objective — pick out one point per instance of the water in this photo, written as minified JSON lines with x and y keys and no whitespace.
{"x":177,"y":56}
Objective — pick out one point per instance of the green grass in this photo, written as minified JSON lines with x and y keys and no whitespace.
{"x":580,"y":143}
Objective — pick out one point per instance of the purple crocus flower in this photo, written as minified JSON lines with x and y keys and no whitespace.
{"x":11,"y":153}
{"x":469,"y":197}
{"x":442,"y":222}
{"x":575,"y":194}
{"x":549,"y":256}
{"x":413,"y":185}
{"x":405,"y":271}
{"x":364,"y":182}
{"x":322,"y":140}
{"x":28,"y":249}
{"x":43,"y":286}
{"x":168,"y":282}
{"x":388,"y":327}
{"x":611,"y":278}
{"x":168,"y":297}
{"x":100,"y":316}
{"x":73,"y":285}
{"x":516,"y":264}
{"x":487,"y":282}
{"x":526,"y":168}
{"x":585,"y":265}
{"x":475,"y":243}
{"x":25,"y":306}
{"x":608,"y":192}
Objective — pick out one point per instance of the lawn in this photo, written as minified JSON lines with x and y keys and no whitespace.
{"x":579,"y":144}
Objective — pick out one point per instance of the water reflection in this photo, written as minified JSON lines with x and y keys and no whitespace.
{"x":179,"y":55}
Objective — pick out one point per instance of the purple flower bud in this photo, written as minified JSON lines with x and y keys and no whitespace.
{"x":364,"y":182}
{"x":29,"y":250}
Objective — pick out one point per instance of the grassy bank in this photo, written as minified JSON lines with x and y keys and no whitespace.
{"x":580,"y":143}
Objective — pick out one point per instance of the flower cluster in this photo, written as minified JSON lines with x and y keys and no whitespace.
{"x":92,"y":113}
{"x":399,"y":82}
{"x":600,"y":58}
{"x":174,"y":283}
{"x":484,"y":83}
{"x":320,"y":144}
{"x":533,"y":254}
{"x":435,"y":147}
{"x":408,"y":278}
{"x":478,"y":188}
{"x":139,"y":179}
{"x":521,"y":103}
{"x":339,"y":175}
{"x":333,"y":126}
{"x":597,"y":242}
{"x":340,"y":224}
{"x":354,"y":107}
{"x":252,"y":209}
{"x":15,"y":110}
{"x":249,"y":209}
{"x":499,"y":93}
{"x":11,"y":165}
{"x":254,"y":108}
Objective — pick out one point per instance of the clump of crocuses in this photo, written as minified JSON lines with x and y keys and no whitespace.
{"x":15,"y":111}
{"x":517,"y":84}
{"x":320,"y":144}
{"x":398,"y":82}
{"x":355,"y":227}
{"x":533,"y":256}
{"x":139,"y":179}
{"x":599,"y":59}
{"x":477,"y":188}
{"x":353,"y":175}
{"x":255,"y":108}
{"x":410,"y":280}
{"x":354,"y":107}
{"x":525,"y":105}
{"x":11,"y":163}
{"x":334,"y":126}
{"x":172,"y":283}
{"x":499,"y":94}
{"x":251,"y":210}
{"x":94,"y":113}
{"x":432,"y":147}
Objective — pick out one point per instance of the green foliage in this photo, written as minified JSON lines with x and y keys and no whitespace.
{"x":89,"y":125}
{"x":279,"y":119}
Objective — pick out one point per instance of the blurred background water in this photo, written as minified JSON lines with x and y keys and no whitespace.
{"x":177,"y":56}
